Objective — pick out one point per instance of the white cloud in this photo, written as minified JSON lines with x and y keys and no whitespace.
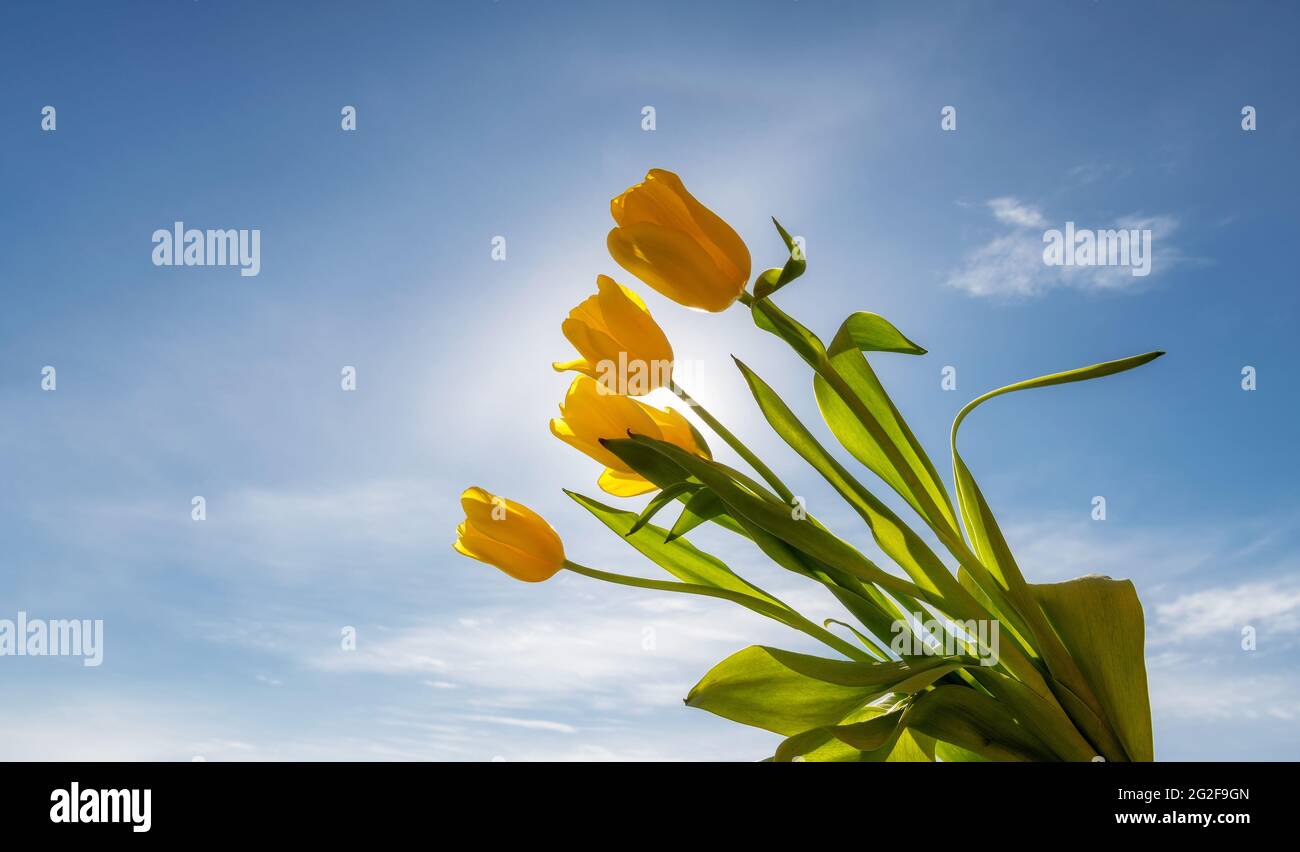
{"x":1053,"y":549}
{"x":1268,"y":604}
{"x":527,"y":724}
{"x":1224,"y":696}
{"x":1010,"y":264}
{"x":615,"y":647}
{"x":1012,"y":211}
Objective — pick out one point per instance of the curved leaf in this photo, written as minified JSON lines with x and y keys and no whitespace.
{"x":680,"y":558}
{"x":663,"y":498}
{"x":895,"y":538}
{"x":1100,"y":621}
{"x":703,"y":506}
{"x":863,"y":418}
{"x":870,"y":332}
{"x":869,"y":740}
{"x":774,"y":517}
{"x":975,"y":722}
{"x":789,"y":693}
{"x":1000,"y":576}
{"x":772,"y":280}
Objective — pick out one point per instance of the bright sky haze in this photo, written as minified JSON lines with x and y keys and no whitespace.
{"x":329,"y":509}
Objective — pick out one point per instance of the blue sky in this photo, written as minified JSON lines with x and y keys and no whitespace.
{"x":475,"y":119}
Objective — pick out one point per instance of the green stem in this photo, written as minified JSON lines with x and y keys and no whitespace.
{"x":735,"y":443}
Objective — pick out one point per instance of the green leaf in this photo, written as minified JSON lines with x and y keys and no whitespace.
{"x":1080,"y":374}
{"x":873,"y":734}
{"x":894,"y":537}
{"x":949,"y":753}
{"x":1101,"y":623}
{"x":870,"y":332}
{"x":858,"y":634}
{"x":912,"y":747}
{"x":975,"y":722}
{"x":863,"y":418}
{"x":790,"y":244}
{"x":649,"y":464}
{"x":774,"y":517}
{"x":660,"y":471}
{"x":769,"y":317}
{"x":1043,"y":718}
{"x":679,"y":558}
{"x":821,"y":545}
{"x":790,"y":693}
{"x":663,"y":498}
{"x":978,"y":519}
{"x":870,"y":740}
{"x":703,"y":574}
{"x":772,"y":280}
{"x":865,"y":602}
{"x":998,"y":574}
{"x":703,"y":506}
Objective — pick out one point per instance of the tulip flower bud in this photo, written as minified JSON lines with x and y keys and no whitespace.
{"x":621,"y":345}
{"x":677,"y":245}
{"x":589,"y":415}
{"x":508,"y":535}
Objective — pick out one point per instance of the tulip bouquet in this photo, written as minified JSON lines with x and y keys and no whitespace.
{"x":920,"y":676}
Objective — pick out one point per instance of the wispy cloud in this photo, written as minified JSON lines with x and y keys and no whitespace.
{"x":527,"y":724}
{"x":639,"y":652}
{"x":1011,"y":263}
{"x":1012,"y":211}
{"x":1270,"y":604}
{"x":1209,"y":695}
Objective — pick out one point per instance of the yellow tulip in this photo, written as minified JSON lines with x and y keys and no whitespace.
{"x":677,"y":245}
{"x":621,"y":345}
{"x":508,"y":535}
{"x":589,"y":414}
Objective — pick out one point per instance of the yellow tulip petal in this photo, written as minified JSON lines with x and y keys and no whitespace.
{"x":562,"y":430}
{"x":655,"y":201}
{"x":604,"y":282}
{"x":517,"y":563}
{"x":676,"y":429}
{"x":593,"y":413}
{"x":622,"y":484}
{"x":632,"y":325}
{"x":508,"y":522}
{"x":715,"y":230}
{"x":517,"y":540}
{"x":596,"y":346}
{"x":579,"y":365}
{"x":673,"y":264}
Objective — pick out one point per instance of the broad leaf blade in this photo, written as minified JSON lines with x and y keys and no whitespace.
{"x":789,"y":693}
{"x":863,"y":418}
{"x":679,"y":558}
{"x":1000,"y":575}
{"x":769,"y":317}
{"x":1101,"y":623}
{"x":663,"y":498}
{"x":894,"y":537}
{"x":775,"y":518}
{"x":702,"y":506}
{"x":976,"y":515}
{"x":870,"y":332}
{"x":870,"y":740}
{"x":975,"y":722}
